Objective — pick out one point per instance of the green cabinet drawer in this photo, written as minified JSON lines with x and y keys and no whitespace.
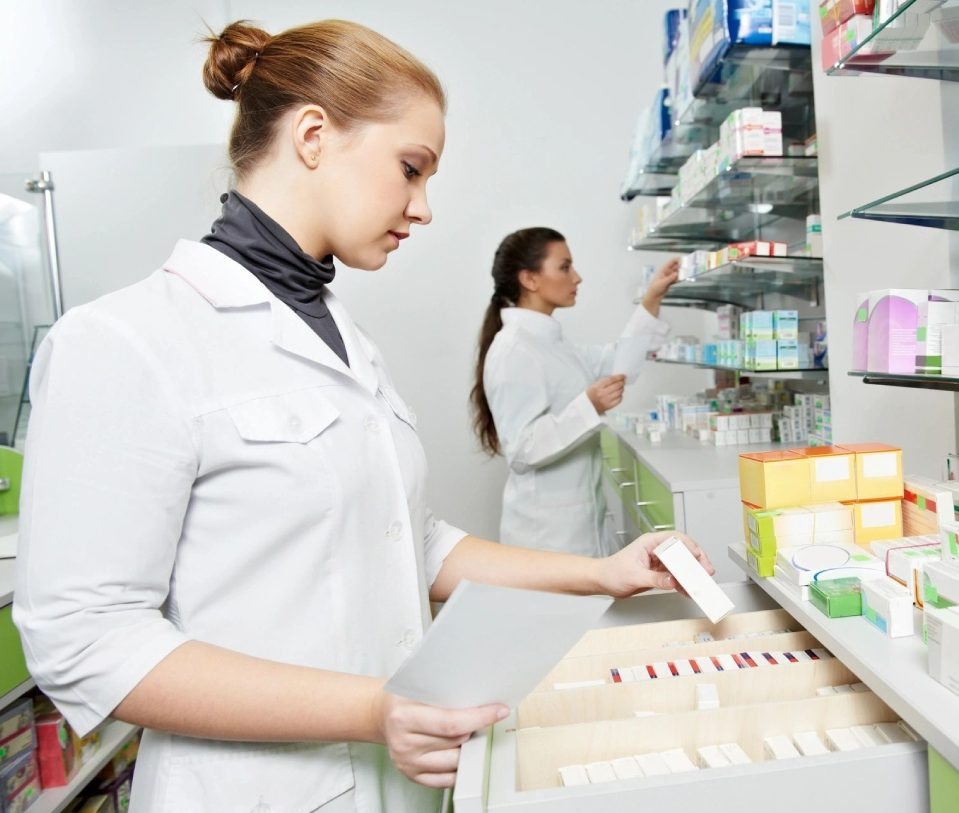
{"x":657,"y":499}
{"x":13,"y":667}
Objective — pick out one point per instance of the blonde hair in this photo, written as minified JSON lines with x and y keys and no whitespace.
{"x":355,"y":74}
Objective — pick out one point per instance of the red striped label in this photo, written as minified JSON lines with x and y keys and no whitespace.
{"x":749,"y":660}
{"x":672,"y":669}
{"x":812,"y":654}
{"x":717,"y":664}
{"x":790,"y":657}
{"x":739,"y":661}
{"x":696,"y":670}
{"x":770,"y":658}
{"x":617,"y":678}
{"x":651,"y":672}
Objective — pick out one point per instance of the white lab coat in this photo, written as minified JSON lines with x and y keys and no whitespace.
{"x":200,"y":465}
{"x":536,"y":384}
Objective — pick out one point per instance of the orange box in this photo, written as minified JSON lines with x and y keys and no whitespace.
{"x":774,"y":479}
{"x":877,"y":519}
{"x":832,"y":473}
{"x":878,"y":470}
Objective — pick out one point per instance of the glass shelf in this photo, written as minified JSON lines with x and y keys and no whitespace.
{"x":920,"y":39}
{"x":938,"y":206}
{"x":818,"y":374}
{"x":750,"y":194}
{"x":926,"y":382}
{"x":741,"y":280}
{"x":659,"y":175}
{"x":777,"y":78}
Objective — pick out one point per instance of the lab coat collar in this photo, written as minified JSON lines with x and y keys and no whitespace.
{"x":225,"y":284}
{"x":533,"y":322}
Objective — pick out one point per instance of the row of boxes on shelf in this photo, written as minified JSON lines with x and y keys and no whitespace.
{"x":907,"y":331}
{"x":39,"y":750}
{"x":845,"y":25}
{"x":808,"y":422}
{"x":700,"y":262}
{"x":750,"y":355}
{"x":878,"y":574}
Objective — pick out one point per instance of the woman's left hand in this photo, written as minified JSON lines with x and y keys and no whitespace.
{"x":635,"y":568}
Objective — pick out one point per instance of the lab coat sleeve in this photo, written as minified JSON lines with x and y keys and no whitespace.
{"x":440,"y":538}
{"x":530,"y":434}
{"x":110,"y":462}
{"x":626,"y":356}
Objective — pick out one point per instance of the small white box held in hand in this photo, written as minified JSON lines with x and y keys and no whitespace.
{"x":693,"y":578}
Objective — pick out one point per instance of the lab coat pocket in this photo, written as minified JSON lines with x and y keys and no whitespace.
{"x":235,"y":777}
{"x":398,"y":405}
{"x":291,"y":417}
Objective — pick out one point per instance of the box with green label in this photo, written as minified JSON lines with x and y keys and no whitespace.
{"x":759,"y":564}
{"x":837,"y":598}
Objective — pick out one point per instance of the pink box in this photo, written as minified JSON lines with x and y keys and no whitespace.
{"x":852,"y":33}
{"x":893,"y":316}
{"x":830,"y":48}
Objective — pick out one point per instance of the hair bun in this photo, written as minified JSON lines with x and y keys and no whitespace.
{"x":231,"y":58}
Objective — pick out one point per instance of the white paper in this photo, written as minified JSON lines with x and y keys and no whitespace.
{"x":881,"y":464}
{"x":831,"y":469}
{"x":878,"y":515}
{"x":493,"y":645}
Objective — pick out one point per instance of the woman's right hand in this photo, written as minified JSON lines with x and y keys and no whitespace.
{"x":424,"y":741}
{"x":607,"y":392}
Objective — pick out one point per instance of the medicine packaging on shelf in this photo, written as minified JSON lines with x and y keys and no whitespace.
{"x":19,"y":782}
{"x":800,"y":565}
{"x":799,"y":592}
{"x":893,"y":733}
{"x":711,"y":756}
{"x":866,"y":735}
{"x":626,"y":768}
{"x":693,"y":578}
{"x":832,"y":474}
{"x":943,"y":640}
{"x":809,"y":744}
{"x":877,"y":519}
{"x":734,"y":753}
{"x":837,"y":598}
{"x":926,"y":505}
{"x":878,"y":470}
{"x":888,"y":605}
{"x":771,"y":528}
{"x":677,"y":761}
{"x":906,"y":565}
{"x":652,"y":764}
{"x":940,"y":582}
{"x":774,"y":479}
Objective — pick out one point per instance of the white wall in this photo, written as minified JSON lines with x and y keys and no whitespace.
{"x":878,"y":134}
{"x":543,"y":99}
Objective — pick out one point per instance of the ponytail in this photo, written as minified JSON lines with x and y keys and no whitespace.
{"x":523,"y":250}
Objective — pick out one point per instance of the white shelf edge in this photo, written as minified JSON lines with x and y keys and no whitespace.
{"x":113,"y":738}
{"x":16,"y":693}
{"x":893,"y":668}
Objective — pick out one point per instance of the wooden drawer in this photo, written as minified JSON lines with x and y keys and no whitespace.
{"x":514,"y":765}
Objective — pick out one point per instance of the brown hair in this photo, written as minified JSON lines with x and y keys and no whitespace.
{"x":523,"y":250}
{"x":355,"y":74}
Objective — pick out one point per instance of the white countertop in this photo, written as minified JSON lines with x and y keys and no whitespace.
{"x":684,"y":463}
{"x":894,"y":668}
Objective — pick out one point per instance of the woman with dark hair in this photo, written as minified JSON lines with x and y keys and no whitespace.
{"x":540,"y":400}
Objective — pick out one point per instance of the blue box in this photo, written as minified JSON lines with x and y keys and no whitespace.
{"x":717,"y":25}
{"x":671,"y":21}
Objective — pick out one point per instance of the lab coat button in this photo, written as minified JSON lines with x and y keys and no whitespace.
{"x":372,"y":425}
{"x":395,"y":530}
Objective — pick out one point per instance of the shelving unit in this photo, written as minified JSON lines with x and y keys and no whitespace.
{"x":917,"y":40}
{"x":818,"y":375}
{"x":924,"y":382}
{"x":115,"y":735}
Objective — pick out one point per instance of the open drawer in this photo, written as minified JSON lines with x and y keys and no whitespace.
{"x":515,"y":765}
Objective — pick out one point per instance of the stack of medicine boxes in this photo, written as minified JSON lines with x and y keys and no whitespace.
{"x":844,"y":497}
{"x":19,"y":771}
{"x":771,"y":340}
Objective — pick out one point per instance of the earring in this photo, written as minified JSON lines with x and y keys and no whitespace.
{"x":313,"y":158}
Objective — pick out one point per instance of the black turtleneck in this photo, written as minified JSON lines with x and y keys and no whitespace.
{"x":245,"y":233}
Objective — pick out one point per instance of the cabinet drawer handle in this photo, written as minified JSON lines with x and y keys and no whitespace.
{"x":644,"y":520}
{"x":622,"y":534}
{"x":616,"y":470}
{"x":626,"y":484}
{"x":5,"y":484}
{"x":641,"y":503}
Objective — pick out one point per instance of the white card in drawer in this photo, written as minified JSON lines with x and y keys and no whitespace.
{"x":494,"y":645}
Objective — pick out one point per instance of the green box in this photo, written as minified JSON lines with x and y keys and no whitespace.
{"x":762,"y":566}
{"x":837,"y":598}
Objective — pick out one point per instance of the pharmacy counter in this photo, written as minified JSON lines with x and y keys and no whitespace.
{"x":678,"y":484}
{"x":893,"y":668}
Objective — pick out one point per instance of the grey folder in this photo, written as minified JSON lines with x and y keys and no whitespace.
{"x":494,"y":645}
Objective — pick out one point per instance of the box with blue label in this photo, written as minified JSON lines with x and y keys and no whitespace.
{"x":786,"y":324}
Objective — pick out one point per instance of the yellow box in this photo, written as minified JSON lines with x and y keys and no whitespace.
{"x":877,"y":519}
{"x":878,"y":470}
{"x":774,"y":479}
{"x":832,"y":474}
